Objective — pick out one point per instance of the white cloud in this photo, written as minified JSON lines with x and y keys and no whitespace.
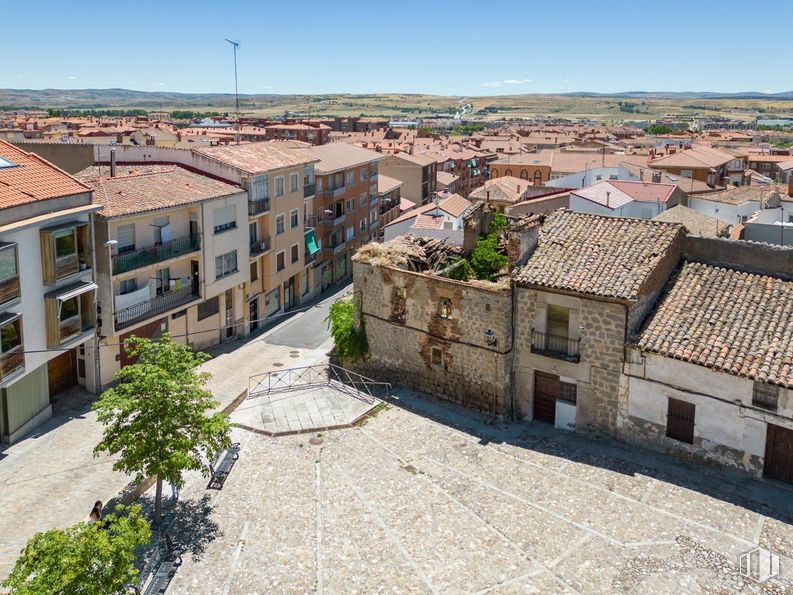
{"x":71,"y":78}
{"x":160,"y":84}
{"x":767,"y":91}
{"x":267,"y":86}
{"x":506,"y":82}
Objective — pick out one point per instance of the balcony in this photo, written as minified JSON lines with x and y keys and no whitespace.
{"x":372,"y":177}
{"x":333,"y":250}
{"x":9,"y":290}
{"x":154,"y":307}
{"x":374,"y":200}
{"x":309,"y":190}
{"x":135,"y":259}
{"x":11,"y":361}
{"x":554,"y":346}
{"x":257,"y":207}
{"x":260,"y":247}
{"x":334,"y":192}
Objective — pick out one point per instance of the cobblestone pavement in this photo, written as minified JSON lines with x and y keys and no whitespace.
{"x":427,"y":498}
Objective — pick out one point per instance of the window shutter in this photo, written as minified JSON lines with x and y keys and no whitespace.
{"x":126,"y":236}
{"x":224,"y":216}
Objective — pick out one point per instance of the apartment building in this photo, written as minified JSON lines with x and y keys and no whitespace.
{"x":345,"y":209}
{"x":418,"y":174}
{"x":47,"y":289}
{"x":279,"y":179}
{"x":172,"y":248}
{"x":313,"y":134}
{"x":390,"y":191}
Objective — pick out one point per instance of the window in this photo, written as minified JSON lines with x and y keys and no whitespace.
{"x":308,"y":175}
{"x":272,"y":302}
{"x":208,"y":308}
{"x":295,"y":253}
{"x":254,"y":271}
{"x":125,"y":235}
{"x":350,"y":233}
{"x":350,"y":178}
{"x":363,"y":225}
{"x":350,"y":205}
{"x":558,"y":321}
{"x":65,"y":244}
{"x":279,"y":261}
{"x":568,"y":392}
{"x":279,"y":186}
{"x":372,"y":216}
{"x":260,"y":188}
{"x":765,"y":396}
{"x":437,"y":356}
{"x":128,"y":286}
{"x":399,"y":305}
{"x":448,"y":225}
{"x":680,"y":420}
{"x":362,"y":200}
{"x":163,"y":280}
{"x":294,"y":218}
{"x":70,"y":309}
{"x":224,"y":219}
{"x":364,"y":174}
{"x":445,"y":308}
{"x":279,"y":224}
{"x":225,"y":264}
{"x":9,"y":273}
{"x":293,"y":182}
{"x":11,"y":336}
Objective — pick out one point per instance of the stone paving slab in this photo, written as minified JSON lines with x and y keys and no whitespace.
{"x":298,"y":411}
{"x":435,"y":500}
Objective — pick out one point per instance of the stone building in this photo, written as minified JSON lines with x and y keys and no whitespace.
{"x":616,"y":326}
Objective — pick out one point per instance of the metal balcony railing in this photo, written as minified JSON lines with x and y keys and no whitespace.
{"x":259,"y":247}
{"x":334,"y":192}
{"x":154,"y":307}
{"x":333,"y":250}
{"x":257,"y":207}
{"x":309,"y":190}
{"x":555,"y":346}
{"x":135,"y":259}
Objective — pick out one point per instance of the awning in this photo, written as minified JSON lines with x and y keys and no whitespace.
{"x":311,"y":242}
{"x":71,"y":291}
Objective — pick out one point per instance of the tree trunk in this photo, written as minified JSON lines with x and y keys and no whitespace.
{"x":158,"y":502}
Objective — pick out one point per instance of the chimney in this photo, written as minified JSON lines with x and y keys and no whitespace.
{"x":112,"y":163}
{"x":608,"y":196}
{"x":656,"y":177}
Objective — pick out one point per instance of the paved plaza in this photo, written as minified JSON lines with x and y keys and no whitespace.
{"x":425,"y":497}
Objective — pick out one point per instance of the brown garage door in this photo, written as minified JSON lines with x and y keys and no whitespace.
{"x":778,"y":453}
{"x":62,"y":372}
{"x":547,"y":389}
{"x":153,"y":330}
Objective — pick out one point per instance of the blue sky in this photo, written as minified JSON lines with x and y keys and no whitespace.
{"x":430,"y":46}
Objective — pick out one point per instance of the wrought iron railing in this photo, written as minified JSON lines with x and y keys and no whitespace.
{"x":154,"y":306}
{"x":135,"y":259}
{"x":257,"y":207}
{"x":306,"y":377}
{"x":555,"y":346}
{"x":260,"y":246}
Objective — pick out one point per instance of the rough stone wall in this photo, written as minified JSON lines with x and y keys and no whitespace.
{"x":601,"y":328}
{"x":654,"y":284}
{"x":412,"y":345}
{"x":744,"y":256}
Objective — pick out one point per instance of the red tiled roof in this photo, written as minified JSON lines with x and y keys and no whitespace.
{"x":31,"y":178}
{"x":144,"y":192}
{"x":726,"y":320}
{"x":256,"y":158}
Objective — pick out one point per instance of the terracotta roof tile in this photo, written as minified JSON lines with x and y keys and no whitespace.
{"x":153,"y":191}
{"x":256,"y":158}
{"x":726,"y":320}
{"x":597,"y":255}
{"x":30,"y":178}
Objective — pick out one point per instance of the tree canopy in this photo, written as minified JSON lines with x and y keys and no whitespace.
{"x":158,"y":418}
{"x":90,"y":559}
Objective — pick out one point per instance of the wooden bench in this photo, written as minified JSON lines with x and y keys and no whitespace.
{"x":222,"y":466}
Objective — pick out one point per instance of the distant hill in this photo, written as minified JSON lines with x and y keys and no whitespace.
{"x":129,"y":99}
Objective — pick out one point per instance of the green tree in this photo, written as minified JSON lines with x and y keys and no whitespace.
{"x":350,"y":342}
{"x":91,"y":559}
{"x":158,"y":418}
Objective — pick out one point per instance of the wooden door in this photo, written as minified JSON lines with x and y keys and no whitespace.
{"x":547,"y":389}
{"x":680,"y":420}
{"x":778,"y":462}
{"x":62,"y":372}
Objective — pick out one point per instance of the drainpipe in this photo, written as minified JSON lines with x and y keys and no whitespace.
{"x":97,"y":380}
